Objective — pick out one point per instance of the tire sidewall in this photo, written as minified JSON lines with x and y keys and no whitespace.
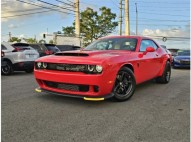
{"x":130,"y":94}
{"x":9,"y":65}
{"x":167,"y":68}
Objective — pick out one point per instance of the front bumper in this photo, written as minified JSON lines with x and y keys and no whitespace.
{"x":39,"y":90}
{"x":102,"y":82}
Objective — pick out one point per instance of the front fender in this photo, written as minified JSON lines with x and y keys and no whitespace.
{"x":166,"y":58}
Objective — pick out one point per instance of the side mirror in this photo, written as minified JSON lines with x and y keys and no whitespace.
{"x":150,"y":49}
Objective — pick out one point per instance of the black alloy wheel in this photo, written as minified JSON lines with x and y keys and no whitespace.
{"x":124,"y":86}
{"x":6,"y":69}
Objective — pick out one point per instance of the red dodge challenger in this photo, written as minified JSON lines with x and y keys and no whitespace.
{"x":110,"y":67}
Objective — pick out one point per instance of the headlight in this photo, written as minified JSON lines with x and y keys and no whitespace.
{"x":176,"y":60}
{"x":39,"y":64}
{"x":91,"y":68}
{"x":44,"y":65}
{"x":99,"y":68}
{"x":94,"y":69}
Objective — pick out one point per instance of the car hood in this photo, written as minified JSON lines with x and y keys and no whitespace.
{"x":182,"y":57}
{"x":82,"y":56}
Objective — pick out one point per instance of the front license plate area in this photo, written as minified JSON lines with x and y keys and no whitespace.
{"x":68,"y":87}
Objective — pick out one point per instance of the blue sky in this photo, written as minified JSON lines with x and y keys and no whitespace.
{"x":169,"y":18}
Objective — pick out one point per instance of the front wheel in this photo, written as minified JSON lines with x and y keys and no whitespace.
{"x":125,"y":84}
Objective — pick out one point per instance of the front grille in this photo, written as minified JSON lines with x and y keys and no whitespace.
{"x":67,"y":67}
{"x":66,"y":86}
{"x":185,"y":62}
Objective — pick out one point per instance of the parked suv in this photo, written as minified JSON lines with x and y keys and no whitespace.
{"x":45,"y":49}
{"x":18,"y":57}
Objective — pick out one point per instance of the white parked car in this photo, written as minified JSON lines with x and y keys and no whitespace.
{"x":18,"y":57}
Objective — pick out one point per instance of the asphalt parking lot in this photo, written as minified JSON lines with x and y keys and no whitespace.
{"x":156,"y":113}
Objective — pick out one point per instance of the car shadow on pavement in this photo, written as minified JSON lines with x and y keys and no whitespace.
{"x":18,"y":73}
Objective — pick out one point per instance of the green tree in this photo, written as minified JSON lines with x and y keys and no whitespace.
{"x":30,"y":40}
{"x":94,"y":25}
{"x":69,"y":31}
{"x":14,"y":39}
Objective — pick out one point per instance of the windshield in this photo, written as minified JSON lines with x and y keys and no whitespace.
{"x":183,"y":53}
{"x":113,"y":44}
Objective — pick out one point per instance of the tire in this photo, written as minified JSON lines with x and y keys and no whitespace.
{"x":7,"y":69}
{"x":124,"y":86}
{"x":29,"y":70}
{"x":165,"y":78}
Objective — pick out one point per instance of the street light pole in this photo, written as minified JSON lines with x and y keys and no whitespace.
{"x":136,"y":19}
{"x":77,"y":19}
{"x":127,"y":25}
{"x":120,"y":18}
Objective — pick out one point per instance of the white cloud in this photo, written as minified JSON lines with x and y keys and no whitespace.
{"x":11,"y":26}
{"x":171,"y":34}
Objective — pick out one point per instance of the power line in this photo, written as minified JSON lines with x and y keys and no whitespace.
{"x":44,"y":7}
{"x":65,"y":3}
{"x":32,"y":9}
{"x":55,"y":5}
{"x":26,"y":14}
{"x":166,"y":2}
{"x":165,"y":20}
{"x":162,"y":14}
{"x":70,"y":1}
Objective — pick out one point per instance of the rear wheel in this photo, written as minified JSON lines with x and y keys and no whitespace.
{"x":7,"y":68}
{"x":124,"y":86}
{"x":165,"y":78}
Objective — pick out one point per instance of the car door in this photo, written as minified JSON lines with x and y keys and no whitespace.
{"x":148,"y":66}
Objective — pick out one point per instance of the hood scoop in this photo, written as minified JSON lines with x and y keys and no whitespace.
{"x":71,"y":54}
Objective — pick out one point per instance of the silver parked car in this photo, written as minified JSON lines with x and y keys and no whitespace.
{"x":18,"y":57}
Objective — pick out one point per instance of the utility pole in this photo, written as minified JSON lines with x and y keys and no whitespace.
{"x":9,"y":36}
{"x":77,"y":18}
{"x":127,"y":25}
{"x":120,"y":18}
{"x":136,"y":19}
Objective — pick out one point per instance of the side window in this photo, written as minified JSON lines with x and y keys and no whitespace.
{"x":154,"y":45}
{"x":145,"y":43}
{"x":3,"y":47}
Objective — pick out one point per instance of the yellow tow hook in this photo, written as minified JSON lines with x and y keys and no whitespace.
{"x":38,"y":90}
{"x":93,"y":99}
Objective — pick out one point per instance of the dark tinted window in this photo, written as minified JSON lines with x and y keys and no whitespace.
{"x":3,"y":47}
{"x":21,"y":46}
{"x":38,"y":47}
{"x":67,"y":47}
{"x":52,"y":48}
